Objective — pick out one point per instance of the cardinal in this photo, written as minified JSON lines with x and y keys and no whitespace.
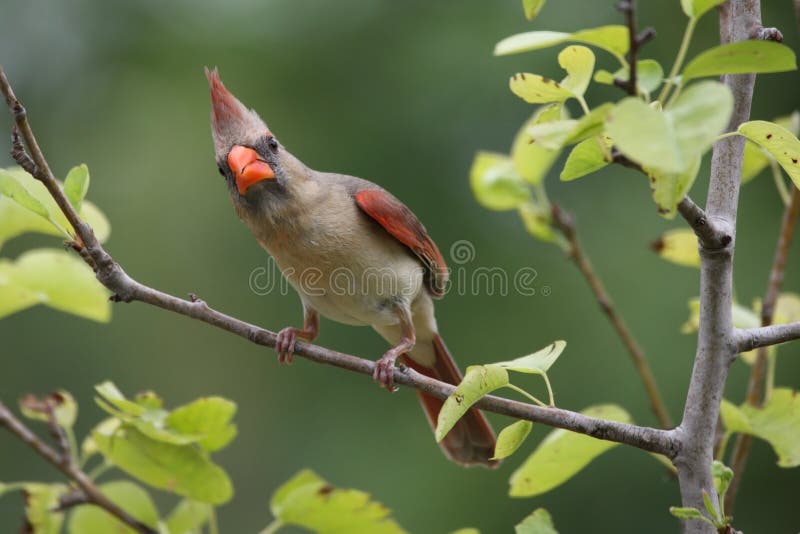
{"x":353,"y":252}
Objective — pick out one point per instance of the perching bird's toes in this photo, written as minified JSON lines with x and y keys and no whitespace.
{"x":384,"y":372}
{"x":284,"y":345}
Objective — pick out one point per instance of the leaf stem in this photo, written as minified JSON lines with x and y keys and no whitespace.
{"x":549,"y":390}
{"x":779,"y":183}
{"x":213,"y":526}
{"x":525,"y":393}
{"x":676,"y":67}
{"x":272,"y":527}
{"x":720,"y":137}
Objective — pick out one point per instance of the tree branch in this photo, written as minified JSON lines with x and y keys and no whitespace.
{"x":711,"y":234}
{"x":752,"y":338}
{"x":566,"y":225}
{"x":126,"y":289}
{"x":755,"y":386}
{"x":63,"y":461}
{"x":636,"y":40}
{"x":716,"y":341}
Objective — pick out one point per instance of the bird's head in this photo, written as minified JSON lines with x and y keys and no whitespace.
{"x":248,"y":155}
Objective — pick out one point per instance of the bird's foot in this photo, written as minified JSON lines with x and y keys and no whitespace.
{"x":284,"y":345}
{"x":384,"y":371}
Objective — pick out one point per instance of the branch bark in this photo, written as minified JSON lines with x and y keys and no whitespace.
{"x":63,"y":462}
{"x":566,"y":225}
{"x":126,"y":289}
{"x":755,"y":386}
{"x":717,"y":344}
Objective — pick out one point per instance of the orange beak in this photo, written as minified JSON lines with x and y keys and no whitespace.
{"x":248,"y":168}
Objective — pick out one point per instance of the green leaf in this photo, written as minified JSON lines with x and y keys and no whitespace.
{"x":188,"y":517}
{"x":670,"y":188}
{"x":555,"y":134}
{"x":466,"y":531}
{"x":710,"y":508}
{"x":16,"y":220}
{"x":588,"y":156}
{"x":779,"y":142}
{"x":209,"y":417}
{"x":531,"y":160}
{"x":40,"y":501}
{"x":671,"y":141}
{"x":12,"y":189}
{"x":538,"y":222}
{"x":688,"y":513}
{"x":532,"y":8}
{"x":578,"y":61}
{"x":494,"y":182}
{"x":56,"y":279}
{"x":109,"y":393}
{"x":755,"y":161}
{"x":76,"y":185}
{"x":562,"y":454}
{"x":536,"y":89}
{"x":649,"y":75}
{"x":696,"y":8}
{"x":741,"y":57}
{"x":65,"y":409}
{"x":510,"y":439}
{"x":613,"y":39}
{"x":777,"y":423}
{"x":722,"y":477}
{"x":537,"y":363}
{"x":182,"y":469}
{"x":310,"y":502}
{"x":478,"y":381}
{"x":539,"y":522}
{"x":678,"y":246}
{"x":128,"y":496}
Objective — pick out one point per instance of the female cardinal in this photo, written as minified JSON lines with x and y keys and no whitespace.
{"x":353,"y":252}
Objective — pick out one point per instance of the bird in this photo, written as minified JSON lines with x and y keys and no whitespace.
{"x":353,"y":252}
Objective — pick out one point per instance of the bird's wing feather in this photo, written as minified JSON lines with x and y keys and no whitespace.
{"x":404,"y":226}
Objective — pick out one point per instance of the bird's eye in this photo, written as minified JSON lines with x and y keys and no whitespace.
{"x":221,"y":171}
{"x":273,"y":143}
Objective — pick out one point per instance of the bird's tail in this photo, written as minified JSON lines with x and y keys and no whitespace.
{"x":472,"y":440}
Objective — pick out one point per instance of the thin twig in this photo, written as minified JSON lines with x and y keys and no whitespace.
{"x":755,"y":386}
{"x":712,"y":234}
{"x":65,"y":464}
{"x":566,"y":225}
{"x":126,"y":289}
{"x":635,"y":41}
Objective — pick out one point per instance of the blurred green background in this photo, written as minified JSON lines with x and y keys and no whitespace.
{"x":401,"y":93}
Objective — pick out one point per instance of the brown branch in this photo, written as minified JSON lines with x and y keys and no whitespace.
{"x":63,"y":462}
{"x":635,"y":40}
{"x":755,"y":386}
{"x":566,"y":225}
{"x":126,"y":289}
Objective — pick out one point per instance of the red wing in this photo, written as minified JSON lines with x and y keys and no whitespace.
{"x":404,"y":226}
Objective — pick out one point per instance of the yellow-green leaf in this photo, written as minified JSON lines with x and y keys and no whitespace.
{"x":678,"y":246}
{"x":495,"y":183}
{"x":777,"y":423}
{"x":562,"y":454}
{"x":130,"y":497}
{"x":76,"y":185}
{"x":40,"y":501}
{"x":557,"y":133}
{"x":670,"y":188}
{"x":182,"y":469}
{"x":578,"y":61}
{"x":478,"y":381}
{"x":588,"y":156}
{"x":671,"y":141}
{"x":649,"y":75}
{"x":16,"y":220}
{"x":537,"y":363}
{"x":310,"y":502}
{"x":538,"y":222}
{"x":64,"y":407}
{"x":531,"y":160}
{"x":510,"y":439}
{"x":539,"y":522}
{"x":188,"y":517}
{"x":532,"y":8}
{"x":779,"y":142}
{"x":55,"y":278}
{"x":739,"y":58}
{"x":613,"y":39}
{"x":11,"y":188}
{"x":536,"y":89}
{"x":209,"y":417}
{"x":696,"y":8}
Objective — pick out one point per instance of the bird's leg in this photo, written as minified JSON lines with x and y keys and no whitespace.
{"x":384,"y":368}
{"x":284,"y":344}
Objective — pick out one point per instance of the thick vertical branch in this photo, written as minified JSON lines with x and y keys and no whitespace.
{"x":755,"y":386}
{"x":566,"y":225}
{"x":716,"y":342}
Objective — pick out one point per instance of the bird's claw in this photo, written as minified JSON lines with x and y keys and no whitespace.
{"x":284,"y":345}
{"x":384,"y":372}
